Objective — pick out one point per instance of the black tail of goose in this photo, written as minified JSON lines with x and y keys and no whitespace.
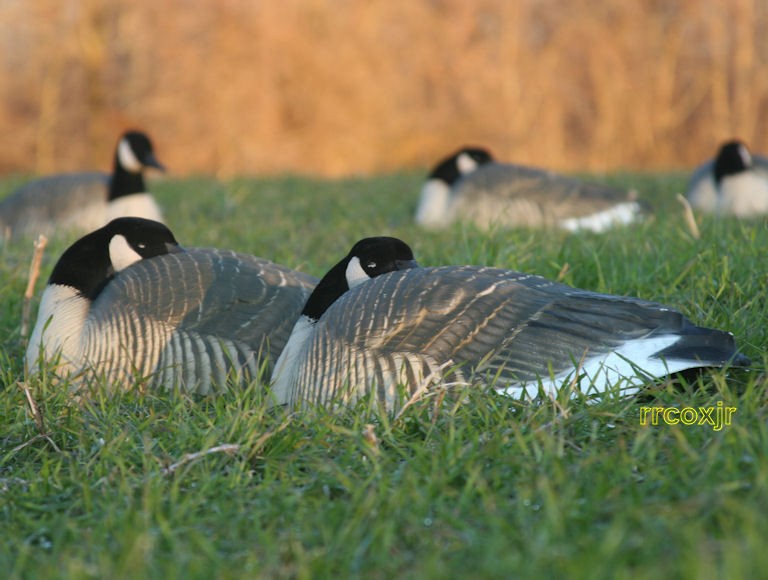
{"x":489,"y":194}
{"x":424,"y":327}
{"x":166,"y":317}
{"x":85,"y":201}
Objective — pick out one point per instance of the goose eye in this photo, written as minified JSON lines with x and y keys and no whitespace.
{"x":370,"y":265}
{"x":141,"y":246}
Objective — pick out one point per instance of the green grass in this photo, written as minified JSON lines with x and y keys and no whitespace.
{"x":477,"y":485}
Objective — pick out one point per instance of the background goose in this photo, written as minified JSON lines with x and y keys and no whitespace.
{"x":419,"y":327}
{"x":84,"y":201}
{"x":470,"y":186}
{"x":126,"y":302}
{"x":735,"y":182}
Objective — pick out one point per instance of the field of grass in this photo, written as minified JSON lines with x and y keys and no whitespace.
{"x":166,"y":486}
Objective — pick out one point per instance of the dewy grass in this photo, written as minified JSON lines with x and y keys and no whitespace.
{"x":162,"y":484}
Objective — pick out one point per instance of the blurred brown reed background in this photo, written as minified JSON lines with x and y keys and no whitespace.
{"x":335,"y":87}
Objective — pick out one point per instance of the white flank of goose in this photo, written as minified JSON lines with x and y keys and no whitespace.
{"x":469,"y":186}
{"x":406,"y":331}
{"x":734,"y":183}
{"x":84,"y":201}
{"x":126,"y":305}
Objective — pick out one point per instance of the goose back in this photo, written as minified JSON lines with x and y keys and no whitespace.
{"x":191,"y":320}
{"x":84,"y":201}
{"x":401,"y":333}
{"x":74,"y":201}
{"x":518,"y":196}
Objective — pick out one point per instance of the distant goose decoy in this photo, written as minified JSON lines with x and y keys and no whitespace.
{"x":469,"y":186}
{"x":417,"y":328}
{"x":127,"y":304}
{"x":734,"y":183}
{"x":85,"y":201}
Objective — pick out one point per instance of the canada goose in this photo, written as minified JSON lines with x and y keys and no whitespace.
{"x":470,"y":186}
{"x":734,"y":183}
{"x":419,"y":327}
{"x":127,"y":304}
{"x":84,"y":201}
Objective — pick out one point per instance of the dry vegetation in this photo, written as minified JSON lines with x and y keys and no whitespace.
{"x":336,"y":87}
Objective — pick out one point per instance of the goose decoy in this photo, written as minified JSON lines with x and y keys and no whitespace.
{"x":734,"y":183}
{"x":84,"y":201}
{"x":126,"y":304}
{"x":470,"y":186}
{"x":410,"y":329}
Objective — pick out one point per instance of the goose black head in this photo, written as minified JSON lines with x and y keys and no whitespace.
{"x":460,"y":163}
{"x":89,"y":263}
{"x":734,"y":157}
{"x":135,"y":153}
{"x":368,"y":258}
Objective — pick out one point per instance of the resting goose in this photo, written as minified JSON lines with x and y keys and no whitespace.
{"x":84,"y":201}
{"x":469,"y":186}
{"x":127,"y":304}
{"x":408,"y":330}
{"x":734,"y":183}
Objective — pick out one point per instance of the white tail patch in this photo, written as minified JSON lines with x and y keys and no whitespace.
{"x":632,"y":365}
{"x":621,"y":214}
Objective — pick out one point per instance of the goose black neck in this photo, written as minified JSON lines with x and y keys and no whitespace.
{"x":332,"y":286}
{"x":375,"y":256}
{"x":124,"y":182}
{"x":447,"y":171}
{"x":84,"y":266}
{"x":731,"y":160}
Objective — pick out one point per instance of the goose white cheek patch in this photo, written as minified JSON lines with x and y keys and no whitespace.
{"x":127,"y":157}
{"x":746,"y":158}
{"x":465,"y":164}
{"x":355,"y":273}
{"x":121,"y":254}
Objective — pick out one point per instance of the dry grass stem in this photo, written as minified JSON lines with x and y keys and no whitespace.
{"x":690,"y":219}
{"x":27,"y":443}
{"x":438,"y":404}
{"x":34,"y":273}
{"x":259,"y":443}
{"x":37,"y":416}
{"x":228,"y":448}
{"x":433,"y":379}
{"x":369,"y":434}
